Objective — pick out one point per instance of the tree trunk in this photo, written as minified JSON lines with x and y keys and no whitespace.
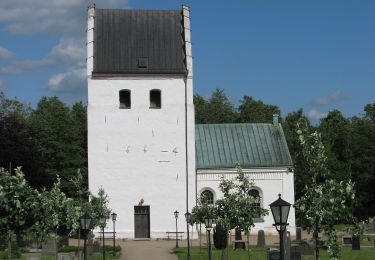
{"x":9,"y":245}
{"x":248,"y":244}
{"x":224,"y":255}
{"x":316,"y":245}
{"x":79,"y":243}
{"x":200,"y":238}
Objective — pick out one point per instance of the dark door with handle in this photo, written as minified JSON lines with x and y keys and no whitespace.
{"x":141,"y":221}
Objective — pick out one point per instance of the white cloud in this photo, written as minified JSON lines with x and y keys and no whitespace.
{"x":69,"y":52}
{"x":72,"y":81}
{"x":333,"y":97}
{"x":5,"y":53}
{"x":57,"y":17}
{"x":314,"y":114}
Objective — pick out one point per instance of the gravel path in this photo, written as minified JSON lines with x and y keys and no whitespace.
{"x":146,"y":250}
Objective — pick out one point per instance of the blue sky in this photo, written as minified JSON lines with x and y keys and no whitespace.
{"x":317,"y":55}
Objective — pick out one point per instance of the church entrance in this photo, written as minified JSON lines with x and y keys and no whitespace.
{"x":141,"y":221}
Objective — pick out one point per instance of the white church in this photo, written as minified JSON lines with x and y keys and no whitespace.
{"x":144,"y":148}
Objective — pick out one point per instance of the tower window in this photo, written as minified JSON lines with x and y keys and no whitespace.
{"x":125,"y":101}
{"x":155,"y":98}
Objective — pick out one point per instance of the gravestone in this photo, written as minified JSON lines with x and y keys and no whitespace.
{"x":273,"y":254}
{"x":356,"y":243}
{"x":346,"y":240}
{"x":49,"y":248}
{"x":238,"y":235}
{"x":286,"y":240}
{"x":96,"y":248}
{"x":298,"y":233}
{"x":261,"y":239}
{"x":295,"y":252}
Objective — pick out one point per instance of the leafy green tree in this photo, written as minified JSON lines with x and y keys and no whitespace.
{"x":235,"y":209}
{"x":255,"y":111}
{"x":326,"y":201}
{"x":362,"y":147}
{"x":216,"y":110}
{"x":59,"y":134}
{"x":290,"y":127}
{"x":335,"y":130}
{"x":18,"y":145}
{"x":17,"y":200}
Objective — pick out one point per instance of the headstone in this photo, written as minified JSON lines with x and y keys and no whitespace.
{"x":295,"y":253}
{"x":298,"y":233}
{"x":33,"y":256}
{"x":286,"y":241}
{"x":261,"y":239}
{"x":273,"y":254}
{"x":238,"y":235}
{"x":356,"y":243}
{"x":49,"y":248}
{"x":96,"y":247}
{"x":346,"y":240}
{"x":65,"y":256}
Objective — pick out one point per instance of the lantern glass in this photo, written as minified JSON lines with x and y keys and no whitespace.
{"x":176,"y":214}
{"x":85,"y":221}
{"x":208,"y":222}
{"x":280,"y":211}
{"x":114,"y":216}
{"x":187,"y":216}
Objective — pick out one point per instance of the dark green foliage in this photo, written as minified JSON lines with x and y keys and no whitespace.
{"x":216,"y":110}
{"x":61,"y":134}
{"x":18,"y":145}
{"x":220,"y":237}
{"x":255,"y":111}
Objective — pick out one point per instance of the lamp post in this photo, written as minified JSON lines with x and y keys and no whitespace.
{"x":176,"y":217}
{"x":114,"y":216}
{"x":187,"y":216}
{"x":103,"y":222}
{"x":85,"y":226}
{"x":280,"y":211}
{"x":208,"y":223}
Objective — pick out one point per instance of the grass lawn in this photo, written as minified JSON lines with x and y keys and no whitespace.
{"x":257,"y":253}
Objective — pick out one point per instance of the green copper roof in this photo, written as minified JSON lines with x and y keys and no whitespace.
{"x":251,"y":145}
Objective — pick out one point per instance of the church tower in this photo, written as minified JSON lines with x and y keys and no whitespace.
{"x":141,"y":117}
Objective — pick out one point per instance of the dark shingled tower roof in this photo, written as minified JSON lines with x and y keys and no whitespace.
{"x":138,"y":42}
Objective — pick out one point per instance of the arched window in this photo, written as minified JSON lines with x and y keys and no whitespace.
{"x":155,"y":98}
{"x":209,"y":196}
{"x":256,"y":206}
{"x":125,"y":100}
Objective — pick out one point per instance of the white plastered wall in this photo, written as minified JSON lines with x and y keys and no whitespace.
{"x":271,"y":182}
{"x":140,"y":152}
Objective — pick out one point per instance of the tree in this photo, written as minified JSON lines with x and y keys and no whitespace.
{"x":17,"y":201}
{"x":217,"y":110}
{"x":290,"y":127}
{"x":362,"y":147}
{"x":335,"y":131}
{"x":61,"y":137}
{"x":326,"y":201}
{"x":255,"y":111}
{"x":18,"y":145}
{"x":235,"y":209}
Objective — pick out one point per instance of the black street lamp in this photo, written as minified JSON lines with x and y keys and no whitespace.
{"x":208,"y":223}
{"x":85,"y":226}
{"x":103,"y":222}
{"x":176,"y":217}
{"x":280,"y":211}
{"x":187,"y":216}
{"x":114,"y":216}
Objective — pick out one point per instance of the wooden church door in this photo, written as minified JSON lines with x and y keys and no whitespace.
{"x":141,"y":221}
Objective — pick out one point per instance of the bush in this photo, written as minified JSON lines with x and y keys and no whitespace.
{"x":15,"y":254}
{"x":220,"y":237}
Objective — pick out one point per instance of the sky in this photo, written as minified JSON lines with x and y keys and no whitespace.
{"x":317,"y":55}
